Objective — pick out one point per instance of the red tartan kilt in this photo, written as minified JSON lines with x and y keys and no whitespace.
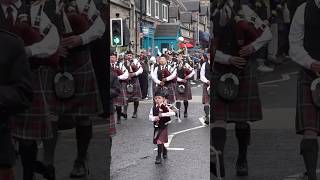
{"x":171,"y":98}
{"x":163,"y":136}
{"x":122,"y":99}
{"x":136,"y":95}
{"x":35,"y":123}
{"x":246,"y":107}
{"x":187,"y":95}
{"x":111,"y":125}
{"x":205,"y":95}
{"x":307,"y":114}
{"x":86,"y":100}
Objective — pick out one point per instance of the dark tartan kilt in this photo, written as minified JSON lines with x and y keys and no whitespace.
{"x":246,"y":107}
{"x":171,"y":98}
{"x":307,"y":114}
{"x":205,"y":95}
{"x":34,"y":123}
{"x":122,"y":99}
{"x":162,"y":136}
{"x":187,"y":95}
{"x":136,"y":94}
{"x":86,"y":100}
{"x":111,"y":124}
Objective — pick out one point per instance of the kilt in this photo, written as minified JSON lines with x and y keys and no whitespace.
{"x":111,"y":125}
{"x":122,"y":99}
{"x":171,"y":98}
{"x":205,"y":95}
{"x":136,"y":94}
{"x":160,"y":134}
{"x":34,"y":123}
{"x":187,"y":95}
{"x":247,"y":106}
{"x":86,"y":100}
{"x":307,"y":114}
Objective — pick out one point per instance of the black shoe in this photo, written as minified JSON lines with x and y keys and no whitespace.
{"x":48,"y":172}
{"x":118,"y":121}
{"x":206,"y":120}
{"x":185,"y":114}
{"x":134,"y":115}
{"x":125,"y":116}
{"x":79,"y":170}
{"x":242,"y":168}
{"x":165,"y":153}
{"x":158,"y":160}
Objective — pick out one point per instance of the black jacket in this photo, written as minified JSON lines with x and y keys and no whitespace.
{"x":15,"y":75}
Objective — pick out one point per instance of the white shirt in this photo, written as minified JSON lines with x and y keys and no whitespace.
{"x":155,"y":77}
{"x":187,"y":66}
{"x":97,"y":28}
{"x":296,"y":36}
{"x":167,"y":114}
{"x":49,"y":44}
{"x":203,"y":72}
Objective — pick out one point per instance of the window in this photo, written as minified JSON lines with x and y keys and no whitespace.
{"x":165,"y":12}
{"x":157,"y":7}
{"x":148,"y":7}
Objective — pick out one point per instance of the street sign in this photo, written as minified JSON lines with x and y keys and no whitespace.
{"x":116,"y":32}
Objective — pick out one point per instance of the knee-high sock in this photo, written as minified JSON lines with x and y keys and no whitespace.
{"x":159,"y":149}
{"x":49,"y":146}
{"x":135,"y":107}
{"x":309,"y":151}
{"x":243,"y":137}
{"x":186,"y":104}
{"x":28,"y":152}
{"x":206,"y":110}
{"x":125,"y":109}
{"x":218,"y":136}
{"x":84,"y":134}
{"x":118,"y":109}
{"x":178,"y":104}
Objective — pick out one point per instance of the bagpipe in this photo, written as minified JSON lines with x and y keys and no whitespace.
{"x":132,"y":69}
{"x":183,"y":72}
{"x":164,"y":108}
{"x":31,"y":33}
{"x":76,"y":22}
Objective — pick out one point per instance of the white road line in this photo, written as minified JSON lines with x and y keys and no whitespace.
{"x":298,"y":176}
{"x":284,"y":77}
{"x":186,"y":130}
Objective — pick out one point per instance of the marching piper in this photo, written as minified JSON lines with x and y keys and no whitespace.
{"x":75,"y":85}
{"x":163,"y":76}
{"x":304,"y":49}
{"x":235,"y":89}
{"x":134,"y":93}
{"x":123,"y":75}
{"x":184,"y":73}
{"x":205,"y":76}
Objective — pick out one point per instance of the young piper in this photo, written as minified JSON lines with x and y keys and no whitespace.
{"x":160,"y":116}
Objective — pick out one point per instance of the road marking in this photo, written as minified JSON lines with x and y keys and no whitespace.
{"x":170,"y":137}
{"x":284,"y":77}
{"x":298,"y":176}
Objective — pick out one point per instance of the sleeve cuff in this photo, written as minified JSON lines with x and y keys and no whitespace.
{"x":84,"y":39}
